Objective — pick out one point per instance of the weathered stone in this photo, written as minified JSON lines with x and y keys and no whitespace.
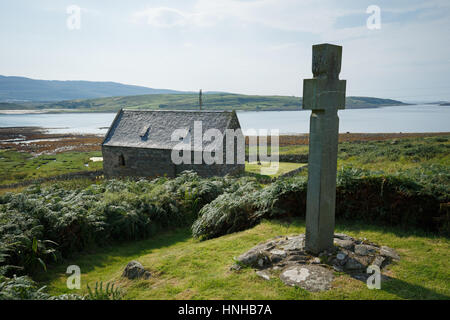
{"x":255,"y":257}
{"x":236,"y":267}
{"x":354,"y":260}
{"x":353,"y":264}
{"x":269,"y":245}
{"x":309,"y":277}
{"x":378,"y":261}
{"x":346,"y":244}
{"x":324,"y":95}
{"x":263,"y":262}
{"x":342,"y":236}
{"x":315,"y":260}
{"x":389,"y":252}
{"x":263,"y":274}
{"x":341,"y":256}
{"x":297,"y":257}
{"x":277,"y":255}
{"x":364,"y":249}
{"x":135,"y":270}
{"x":294,"y":243}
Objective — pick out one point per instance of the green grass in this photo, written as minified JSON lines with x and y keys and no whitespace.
{"x":389,"y":156}
{"x":184,"y":268}
{"x":284,"y":167}
{"x":393,"y":155}
{"x":19,"y":166}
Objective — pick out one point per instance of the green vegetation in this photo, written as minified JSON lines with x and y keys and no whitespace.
{"x":394,"y":155}
{"x":187,"y":230}
{"x":20,"y":166}
{"x":284,"y":167}
{"x":216,"y":101}
{"x":185,"y":268}
{"x":396,"y":200}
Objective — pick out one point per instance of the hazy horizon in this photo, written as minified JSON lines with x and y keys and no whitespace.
{"x":260,"y":47}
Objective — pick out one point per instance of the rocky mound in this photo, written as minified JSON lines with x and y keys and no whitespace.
{"x":315,"y":273}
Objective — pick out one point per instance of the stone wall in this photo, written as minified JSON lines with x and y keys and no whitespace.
{"x":294,"y":158}
{"x":143,"y":162}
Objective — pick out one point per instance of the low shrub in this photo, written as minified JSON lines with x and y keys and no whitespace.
{"x":411,"y":199}
{"x":41,"y":225}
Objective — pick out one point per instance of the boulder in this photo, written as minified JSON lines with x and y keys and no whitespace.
{"x":135,"y":270}
{"x":255,"y":257}
{"x":353,"y":264}
{"x":277,"y":255}
{"x":296,"y":243}
{"x":263,"y":274}
{"x":346,"y":244}
{"x":389,"y":252}
{"x":342,"y":236}
{"x":309,"y":277}
{"x":365,"y":249}
{"x":378,"y":261}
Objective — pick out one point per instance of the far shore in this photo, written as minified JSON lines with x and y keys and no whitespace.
{"x":49,"y":111}
{"x":37,"y":140}
{"x":27,"y":111}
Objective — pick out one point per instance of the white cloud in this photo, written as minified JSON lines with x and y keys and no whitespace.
{"x":290,"y":15}
{"x":162,"y":17}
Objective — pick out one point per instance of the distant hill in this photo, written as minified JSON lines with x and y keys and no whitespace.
{"x":217,"y":101}
{"x":25,"y":93}
{"x":20,"y":89}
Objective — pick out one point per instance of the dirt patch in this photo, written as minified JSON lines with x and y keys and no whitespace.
{"x":36,"y":141}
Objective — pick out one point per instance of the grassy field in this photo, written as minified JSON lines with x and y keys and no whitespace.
{"x":284,"y":167}
{"x":389,"y":156}
{"x":184,"y":268}
{"x":19,"y":166}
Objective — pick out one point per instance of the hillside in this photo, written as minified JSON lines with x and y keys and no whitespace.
{"x":20,"y":89}
{"x":216,"y":101}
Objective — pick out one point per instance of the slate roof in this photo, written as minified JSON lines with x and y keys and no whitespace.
{"x":154,"y":128}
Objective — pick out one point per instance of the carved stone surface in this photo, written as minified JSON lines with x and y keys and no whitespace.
{"x":324,"y":95}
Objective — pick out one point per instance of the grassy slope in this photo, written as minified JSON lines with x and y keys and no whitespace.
{"x":184,"y":268}
{"x":218,"y":101}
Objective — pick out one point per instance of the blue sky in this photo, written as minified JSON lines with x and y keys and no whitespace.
{"x":251,"y":46}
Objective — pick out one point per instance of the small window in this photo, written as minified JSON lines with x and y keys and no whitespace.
{"x":121,"y":160}
{"x":144,"y":133}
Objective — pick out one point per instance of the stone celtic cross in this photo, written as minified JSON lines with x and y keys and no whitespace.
{"x":324,"y":95}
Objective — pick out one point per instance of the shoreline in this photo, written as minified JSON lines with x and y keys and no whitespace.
{"x":36,"y":140}
{"x":55,"y":111}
